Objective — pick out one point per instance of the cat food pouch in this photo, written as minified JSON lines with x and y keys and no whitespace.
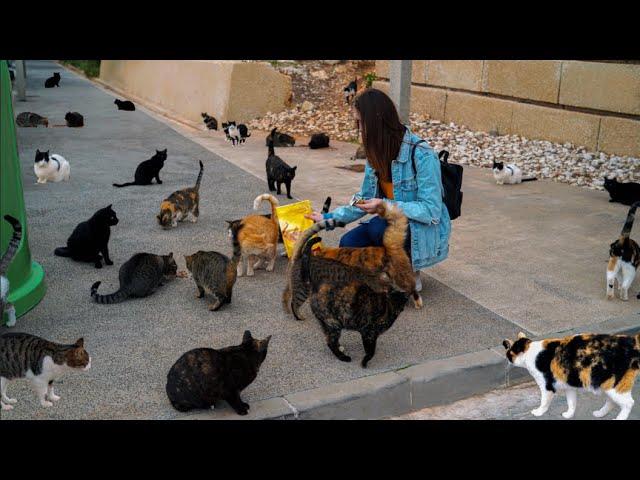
{"x":293,"y":222}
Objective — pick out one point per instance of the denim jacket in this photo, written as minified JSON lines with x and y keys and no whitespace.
{"x":420,"y":198}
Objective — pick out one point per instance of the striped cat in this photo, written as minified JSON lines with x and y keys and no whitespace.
{"x":624,"y":258}
{"x":5,"y":261}
{"x":30,"y":119}
{"x":597,"y":363}
{"x":181,"y":204}
{"x":214,"y":273}
{"x":139,"y":277}
{"x":40,"y":361}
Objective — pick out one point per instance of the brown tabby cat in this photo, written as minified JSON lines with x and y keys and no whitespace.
{"x":180,"y":205}
{"x":214,"y":273}
{"x":40,"y":361}
{"x":258,"y":237}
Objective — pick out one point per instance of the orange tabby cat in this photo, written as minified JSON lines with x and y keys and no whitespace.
{"x":258,"y":238}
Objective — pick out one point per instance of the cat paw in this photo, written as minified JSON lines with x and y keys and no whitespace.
{"x":599,"y":413}
{"x":10,"y":400}
{"x":242,"y":412}
{"x":159,"y":182}
{"x":568,"y":414}
{"x":345,"y":358}
{"x":46,"y":403}
{"x":108,"y":262}
{"x":53,"y":397}
{"x":537,"y":412}
{"x":6,"y":406}
{"x":98,"y":265}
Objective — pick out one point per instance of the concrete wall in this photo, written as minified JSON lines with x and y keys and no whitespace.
{"x":228,"y":90}
{"x":592,"y":104}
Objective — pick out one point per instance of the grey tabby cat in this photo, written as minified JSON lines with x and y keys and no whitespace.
{"x":139,"y":277}
{"x":5,"y":261}
{"x":30,"y":119}
{"x":40,"y":361}
{"x":214,"y":273}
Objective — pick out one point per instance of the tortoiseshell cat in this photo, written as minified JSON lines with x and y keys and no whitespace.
{"x":203,"y":376}
{"x":597,"y":363}
{"x":139,"y":277}
{"x":624,"y":258}
{"x":214,"y":273}
{"x":5,"y":261}
{"x":40,"y":361}
{"x":181,"y":204}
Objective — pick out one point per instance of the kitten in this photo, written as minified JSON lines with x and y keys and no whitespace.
{"x":258,"y":237}
{"x":30,"y":119}
{"x":319,"y":140}
{"x":624,"y":258}
{"x":139,"y":277}
{"x":597,"y":363}
{"x":74,"y":119}
{"x":90,"y":239}
{"x":510,"y":174}
{"x":51,"y":168}
{"x":148,"y":170}
{"x":214,"y":273}
{"x":625,"y":193}
{"x":52,"y":81}
{"x":225,"y":129}
{"x":181,"y":204}
{"x":5,"y":261}
{"x":40,"y":361}
{"x":280,"y":139}
{"x":278,"y":172}
{"x":350,"y":90}
{"x":210,"y":122}
{"x":203,"y":376}
{"x":126,"y":105}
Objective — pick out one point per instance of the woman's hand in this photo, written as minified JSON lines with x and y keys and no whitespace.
{"x":315,"y":216}
{"x":370,"y":206}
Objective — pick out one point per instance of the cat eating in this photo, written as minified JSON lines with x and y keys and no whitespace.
{"x":625,"y":193}
{"x":181,"y":204}
{"x":509,"y":174}
{"x":148,"y":170}
{"x":624,"y":259}
{"x":51,"y":168}
{"x":5,"y":261}
{"x":278,"y":172}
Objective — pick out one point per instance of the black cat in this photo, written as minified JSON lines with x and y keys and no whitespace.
{"x":74,"y":119}
{"x":52,"y":81}
{"x":280,"y":139}
{"x":278,"y":172}
{"x":209,"y":121}
{"x":319,"y":140}
{"x":203,"y":376}
{"x":125,"y":105}
{"x":625,"y":193}
{"x":148,"y":170}
{"x":244,"y":132}
{"x":90,"y":239}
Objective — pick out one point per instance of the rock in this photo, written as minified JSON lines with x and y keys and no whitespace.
{"x":340,"y":69}
{"x":307,"y":106}
{"x":320,"y":75}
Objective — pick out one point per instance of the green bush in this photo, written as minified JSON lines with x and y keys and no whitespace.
{"x":91,"y":68}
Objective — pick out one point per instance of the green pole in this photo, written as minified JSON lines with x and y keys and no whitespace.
{"x":26,"y":277}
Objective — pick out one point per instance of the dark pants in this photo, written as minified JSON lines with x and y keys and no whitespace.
{"x":370,"y":235}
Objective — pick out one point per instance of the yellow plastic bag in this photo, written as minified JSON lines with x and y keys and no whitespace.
{"x":293,"y":222}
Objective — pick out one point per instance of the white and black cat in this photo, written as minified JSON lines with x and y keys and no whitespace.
{"x":624,"y":259}
{"x":510,"y":174}
{"x":209,"y":121}
{"x":278,"y":172}
{"x":236,"y":133}
{"x":125,"y":105}
{"x":350,"y":91}
{"x":148,"y":170}
{"x":5,"y":261}
{"x":51,"y":168}
{"x":625,"y":193}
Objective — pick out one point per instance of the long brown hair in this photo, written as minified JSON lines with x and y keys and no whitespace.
{"x":382,"y":130}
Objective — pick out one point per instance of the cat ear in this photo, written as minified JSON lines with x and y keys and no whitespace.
{"x":506,"y":344}
{"x":170,"y":255}
{"x":294,"y":168}
{"x":80,"y":343}
{"x":247,"y":337}
{"x":521,"y":335}
{"x":37,"y":151}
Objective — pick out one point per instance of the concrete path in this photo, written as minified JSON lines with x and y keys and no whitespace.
{"x":134,"y":344}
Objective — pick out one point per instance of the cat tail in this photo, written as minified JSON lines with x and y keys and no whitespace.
{"x":13,"y":243}
{"x":393,"y":241}
{"x":62,"y":252}
{"x":292,"y":304}
{"x":119,"y":185}
{"x":272,"y":200}
{"x":626,"y":230}
{"x":529,"y":179}
{"x":327,"y":205}
{"x":328,"y":224}
{"x":237,"y":248}
{"x":116,"y":297}
{"x":197,"y":187}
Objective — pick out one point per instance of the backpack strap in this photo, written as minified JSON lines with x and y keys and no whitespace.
{"x":413,"y":156}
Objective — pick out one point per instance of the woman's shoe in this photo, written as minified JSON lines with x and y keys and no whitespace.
{"x":418,"y":282}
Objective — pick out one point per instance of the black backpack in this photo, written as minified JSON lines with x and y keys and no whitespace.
{"x":451,"y":181}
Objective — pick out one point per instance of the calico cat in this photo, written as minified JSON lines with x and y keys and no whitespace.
{"x":278,"y":172}
{"x":181,"y":204}
{"x":258,"y":237}
{"x":625,"y":193}
{"x":125,"y":105}
{"x":319,"y":140}
{"x":209,"y":121}
{"x":349,"y":304}
{"x":280,"y":139}
{"x":203,"y":376}
{"x":139,"y":277}
{"x":30,"y":119}
{"x":5,"y":261}
{"x":350,"y":90}
{"x":214,"y":273}
{"x":51,"y":168}
{"x":148,"y":170}
{"x":90,"y":239}
{"x":510,"y":174}
{"x":52,"y":81}
{"x":597,"y":363}
{"x":40,"y":361}
{"x":624,"y":258}
{"x":74,"y":119}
